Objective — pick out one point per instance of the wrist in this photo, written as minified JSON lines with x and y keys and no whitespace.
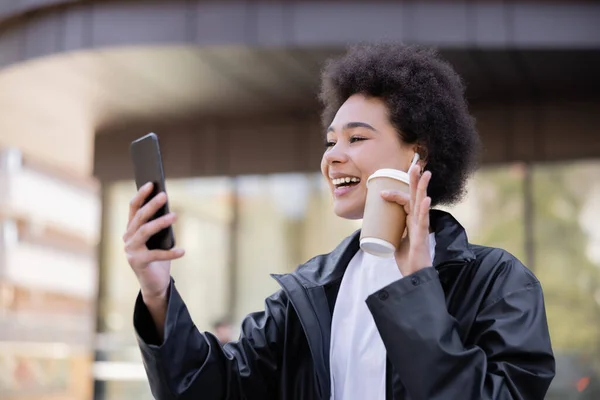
{"x":420,"y":261}
{"x":155,"y":298}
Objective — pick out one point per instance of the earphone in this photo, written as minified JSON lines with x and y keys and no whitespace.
{"x":414,"y":161}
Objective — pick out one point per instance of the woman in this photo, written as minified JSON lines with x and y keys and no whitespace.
{"x":443,"y":319}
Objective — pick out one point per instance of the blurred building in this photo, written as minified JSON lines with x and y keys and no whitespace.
{"x":49,"y":230}
{"x":230,"y":88}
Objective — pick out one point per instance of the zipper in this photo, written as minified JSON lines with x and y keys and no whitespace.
{"x":315,"y":328}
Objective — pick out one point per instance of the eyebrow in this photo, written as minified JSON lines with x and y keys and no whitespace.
{"x":351,"y":125}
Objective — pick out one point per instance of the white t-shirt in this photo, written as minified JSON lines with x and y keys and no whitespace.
{"x":357,"y":353}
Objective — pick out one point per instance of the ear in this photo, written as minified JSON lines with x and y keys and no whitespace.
{"x":423,"y":156}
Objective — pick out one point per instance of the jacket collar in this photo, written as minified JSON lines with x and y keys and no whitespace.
{"x":452,"y":244}
{"x":452,"y":248}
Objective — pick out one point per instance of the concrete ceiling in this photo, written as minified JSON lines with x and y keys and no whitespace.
{"x":70,"y":96}
{"x":71,"y":69}
{"x":52,"y":105}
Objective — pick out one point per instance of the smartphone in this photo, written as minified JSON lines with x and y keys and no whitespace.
{"x":148,"y":167}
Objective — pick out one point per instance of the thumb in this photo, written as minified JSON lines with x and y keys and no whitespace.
{"x":395,"y":196}
{"x":398,"y":197}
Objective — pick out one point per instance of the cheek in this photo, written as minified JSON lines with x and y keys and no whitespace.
{"x":370,"y":160}
{"x":324,"y":169}
{"x":384,"y":155}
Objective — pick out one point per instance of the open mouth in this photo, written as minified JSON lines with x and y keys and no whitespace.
{"x":347,"y":181}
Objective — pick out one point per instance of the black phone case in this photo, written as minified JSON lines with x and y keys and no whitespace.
{"x":148,"y":167}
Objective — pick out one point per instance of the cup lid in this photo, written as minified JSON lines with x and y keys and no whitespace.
{"x":377,"y":247}
{"x":390,"y":173}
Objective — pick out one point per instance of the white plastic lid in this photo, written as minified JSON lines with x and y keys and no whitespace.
{"x":390,"y":173}
{"x":377,"y":247}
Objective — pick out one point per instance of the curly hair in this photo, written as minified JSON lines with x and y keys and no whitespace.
{"x":426,"y":104}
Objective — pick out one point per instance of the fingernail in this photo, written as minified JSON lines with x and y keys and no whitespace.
{"x":385,"y":192}
{"x":147,"y":185}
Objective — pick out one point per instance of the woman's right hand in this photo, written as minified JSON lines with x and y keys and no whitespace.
{"x":151,"y":267}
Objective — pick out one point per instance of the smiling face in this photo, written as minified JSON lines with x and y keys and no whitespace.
{"x":360,"y":140}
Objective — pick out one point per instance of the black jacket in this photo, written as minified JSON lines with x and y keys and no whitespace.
{"x":471,"y":327}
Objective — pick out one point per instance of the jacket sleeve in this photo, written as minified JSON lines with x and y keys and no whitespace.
{"x":192,"y":365}
{"x":511,"y":357}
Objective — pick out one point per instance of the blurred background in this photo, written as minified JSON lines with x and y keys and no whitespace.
{"x":230,"y":88}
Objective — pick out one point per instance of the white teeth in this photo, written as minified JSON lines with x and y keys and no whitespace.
{"x":341,"y":181}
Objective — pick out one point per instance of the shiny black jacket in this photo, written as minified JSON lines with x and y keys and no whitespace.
{"x":473,"y":326}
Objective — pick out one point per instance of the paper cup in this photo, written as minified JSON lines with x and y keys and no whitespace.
{"x":383,"y":221}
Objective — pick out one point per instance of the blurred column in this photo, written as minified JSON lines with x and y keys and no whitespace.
{"x":101,"y":328}
{"x":233,"y":246}
{"x":528,"y":217}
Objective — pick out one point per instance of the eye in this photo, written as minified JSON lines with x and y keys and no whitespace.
{"x":354,"y":139}
{"x":329,"y":144}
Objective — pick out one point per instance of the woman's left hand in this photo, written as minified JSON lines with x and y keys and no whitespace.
{"x":417,"y":207}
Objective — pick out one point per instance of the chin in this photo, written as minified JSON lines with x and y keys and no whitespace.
{"x":348,"y":212}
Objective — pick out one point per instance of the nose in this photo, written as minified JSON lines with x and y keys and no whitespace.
{"x":336,"y":155}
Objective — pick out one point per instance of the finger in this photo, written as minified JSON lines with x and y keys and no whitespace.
{"x":396,"y":196}
{"x":162,"y":255}
{"x":414,"y":176}
{"x":138,"y":200}
{"x":422,"y":191}
{"x":147,"y":256}
{"x":145,"y":213}
{"x":146,"y":231}
{"x":424,"y":214}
